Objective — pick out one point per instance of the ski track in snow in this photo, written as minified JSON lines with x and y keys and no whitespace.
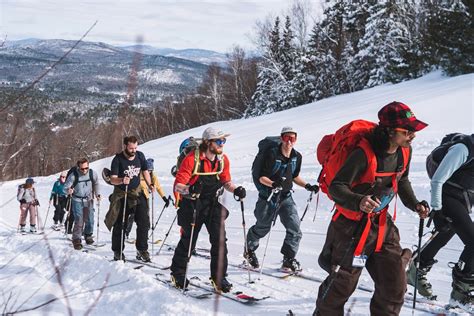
{"x":27,"y":274}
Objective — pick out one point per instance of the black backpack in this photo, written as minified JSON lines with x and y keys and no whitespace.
{"x":268,"y":143}
{"x":76,"y":176}
{"x":436,"y":156}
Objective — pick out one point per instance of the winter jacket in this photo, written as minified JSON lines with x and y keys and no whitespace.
{"x":154,"y":181}
{"x":84,"y":189}
{"x":116,"y":204}
{"x":29,"y":195}
{"x":58,"y":190}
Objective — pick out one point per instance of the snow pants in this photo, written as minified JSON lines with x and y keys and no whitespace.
{"x":211,"y":214}
{"x":142,"y":219}
{"x":83,"y":211}
{"x":265,"y":213}
{"x":24,"y":209}
{"x":456,"y":208}
{"x":386,"y":268}
{"x":59,"y":208}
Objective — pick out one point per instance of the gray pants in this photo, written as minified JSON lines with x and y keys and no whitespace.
{"x":264,"y":213}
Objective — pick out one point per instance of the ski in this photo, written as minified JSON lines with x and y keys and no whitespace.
{"x":148,"y":264}
{"x":98,"y":245}
{"x":194,"y":292}
{"x":234,"y":295}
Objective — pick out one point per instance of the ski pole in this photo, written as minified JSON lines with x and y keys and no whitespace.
{"x":123,"y":222}
{"x":166,"y":236}
{"x":98,"y":216}
{"x":68,"y":215}
{"x":47,"y":213}
{"x":193,"y":224}
{"x":417,"y":259}
{"x":434,"y":233}
{"x":152,"y":219}
{"x":159,"y":217}
{"x":277,"y":207}
{"x":317,"y":205}
{"x":307,"y":205}
{"x":245,"y":233}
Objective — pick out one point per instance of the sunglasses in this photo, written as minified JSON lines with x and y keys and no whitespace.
{"x":219,"y":142}
{"x":405,"y":131}
{"x":62,"y":177}
{"x":84,"y":169}
{"x":289,"y":138}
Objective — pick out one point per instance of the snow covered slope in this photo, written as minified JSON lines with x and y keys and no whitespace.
{"x":28,"y":277}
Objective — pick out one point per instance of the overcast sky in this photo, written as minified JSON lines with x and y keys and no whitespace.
{"x":208,"y":24}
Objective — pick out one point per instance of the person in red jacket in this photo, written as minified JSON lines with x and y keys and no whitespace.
{"x":200,"y":180}
{"x":362,"y":232}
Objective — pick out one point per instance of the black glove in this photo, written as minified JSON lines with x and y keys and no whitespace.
{"x":240,"y":192}
{"x":441,"y":222}
{"x":312,"y":187}
{"x":196,"y":188}
{"x":36,"y":202}
{"x":22,"y":201}
{"x":166,"y":200}
{"x":278,"y":183}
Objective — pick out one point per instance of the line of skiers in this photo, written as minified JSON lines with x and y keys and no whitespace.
{"x":365,"y":166}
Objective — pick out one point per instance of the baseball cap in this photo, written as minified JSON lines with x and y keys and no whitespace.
{"x":29,"y":181}
{"x":213,"y":133}
{"x":397,"y":114}
{"x":288,"y":129}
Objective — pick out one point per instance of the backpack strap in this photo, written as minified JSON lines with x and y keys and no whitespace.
{"x":198,"y":171}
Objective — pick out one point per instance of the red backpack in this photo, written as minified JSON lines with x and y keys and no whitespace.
{"x":334,"y":149}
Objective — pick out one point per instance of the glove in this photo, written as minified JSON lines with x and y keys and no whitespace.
{"x":166,"y":200}
{"x":441,"y":222}
{"x":36,"y":202}
{"x":423,"y":208}
{"x":196,"y":188}
{"x":240,"y":192}
{"x":278,"y":183}
{"x":312,"y":187}
{"x":22,"y":201}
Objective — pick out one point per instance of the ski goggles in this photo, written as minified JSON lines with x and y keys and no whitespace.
{"x":404,"y":131}
{"x":288,"y":138}
{"x":219,"y":142}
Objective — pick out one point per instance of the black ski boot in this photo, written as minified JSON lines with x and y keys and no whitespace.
{"x":251,"y":259}
{"x":292,"y":264}
{"x":178,"y":281}
{"x":462,"y":294}
{"x":117,"y":256}
{"x":224,"y":287}
{"x":424,"y":286}
{"x":143,"y":255}
{"x":89,"y":239}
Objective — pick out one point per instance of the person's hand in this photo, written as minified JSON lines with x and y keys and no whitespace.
{"x":23,"y":201}
{"x":126,"y":180}
{"x":240,"y":192}
{"x":99,"y":197}
{"x":278,"y":183}
{"x":70,"y":191}
{"x":312,"y":187}
{"x":36,"y":202}
{"x":441,"y":222}
{"x":195,"y":189}
{"x":422,"y":208}
{"x":367,"y":204}
{"x":166,"y":200}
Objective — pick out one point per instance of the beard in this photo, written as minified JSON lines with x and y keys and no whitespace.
{"x":216,"y":150}
{"x":129,"y":154}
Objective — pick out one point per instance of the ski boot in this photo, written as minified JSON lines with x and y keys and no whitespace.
{"x":76,"y":243}
{"x":143,"y":255}
{"x":251,"y":259}
{"x":178,"y":281}
{"x":225,"y":286}
{"x":89,"y":239}
{"x":462,"y":294}
{"x":22,"y":229}
{"x":291,"y":264}
{"x":33,"y":229}
{"x":424,"y":286}
{"x":117,"y":256}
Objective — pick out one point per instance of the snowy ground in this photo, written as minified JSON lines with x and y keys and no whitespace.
{"x":28,"y":279}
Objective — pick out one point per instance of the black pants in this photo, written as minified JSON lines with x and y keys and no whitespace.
{"x":211,"y":214}
{"x":69,"y":222}
{"x":143,"y":225}
{"x":59,"y":209}
{"x":455,"y":208}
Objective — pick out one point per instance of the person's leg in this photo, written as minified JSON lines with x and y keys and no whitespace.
{"x":264,"y":214}
{"x":387,"y":269}
{"x":143,"y":224}
{"x":62,"y":204}
{"x":77,"y":210}
{"x":117,"y":229}
{"x":217,"y":237}
{"x":23,"y":213}
{"x":291,"y":221}
{"x":33,"y":211}
{"x":89,"y":218}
